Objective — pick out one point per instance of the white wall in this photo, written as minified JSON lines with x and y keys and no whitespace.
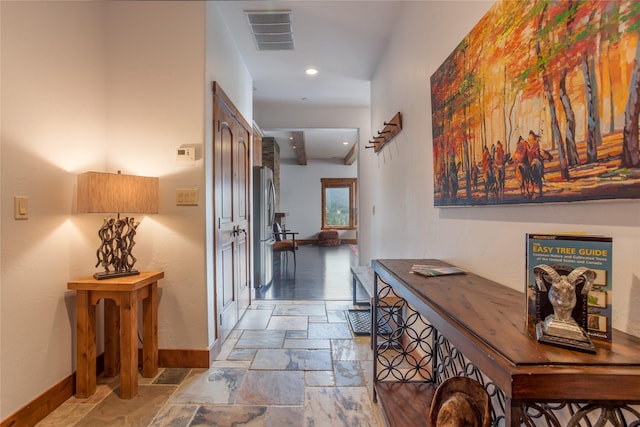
{"x":301,"y":196}
{"x":54,"y":110}
{"x":101,"y":86}
{"x":225,"y":66}
{"x":155,"y":98}
{"x":486,"y":240}
{"x":300,"y":190}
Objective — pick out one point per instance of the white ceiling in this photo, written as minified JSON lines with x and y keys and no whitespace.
{"x":320,"y":144}
{"x":344,"y":40}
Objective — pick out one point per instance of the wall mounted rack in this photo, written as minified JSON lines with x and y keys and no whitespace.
{"x":390,"y":130}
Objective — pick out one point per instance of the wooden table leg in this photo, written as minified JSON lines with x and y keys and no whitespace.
{"x":513,"y":414}
{"x":111,"y":338}
{"x":354,"y":285}
{"x":150,"y":332}
{"x":86,"y":345}
{"x":128,"y":346}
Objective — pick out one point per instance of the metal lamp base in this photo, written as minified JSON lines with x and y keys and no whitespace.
{"x":111,"y":275}
{"x":115,"y":251}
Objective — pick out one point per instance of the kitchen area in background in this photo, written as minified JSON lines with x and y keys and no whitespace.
{"x":266,"y":189}
{"x":263,"y":218}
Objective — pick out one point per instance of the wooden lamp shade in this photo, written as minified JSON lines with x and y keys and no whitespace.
{"x":116,"y":193}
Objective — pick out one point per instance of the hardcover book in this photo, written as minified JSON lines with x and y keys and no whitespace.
{"x":431,"y":271}
{"x":565,"y":253}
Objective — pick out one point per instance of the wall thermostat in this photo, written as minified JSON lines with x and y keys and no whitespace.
{"x":186,"y":154}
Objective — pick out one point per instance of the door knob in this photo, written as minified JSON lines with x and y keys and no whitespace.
{"x":237,"y":230}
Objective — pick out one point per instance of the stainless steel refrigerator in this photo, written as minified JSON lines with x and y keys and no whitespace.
{"x":264,"y":216}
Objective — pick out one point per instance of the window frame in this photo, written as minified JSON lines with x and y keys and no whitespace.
{"x":352,"y":185}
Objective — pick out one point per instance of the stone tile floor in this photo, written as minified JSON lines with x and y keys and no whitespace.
{"x":287,"y":363}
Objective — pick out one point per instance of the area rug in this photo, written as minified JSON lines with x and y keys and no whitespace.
{"x":360,"y":321}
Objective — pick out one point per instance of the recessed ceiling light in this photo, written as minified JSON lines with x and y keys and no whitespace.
{"x":311,"y":71}
{"x":345,"y":142}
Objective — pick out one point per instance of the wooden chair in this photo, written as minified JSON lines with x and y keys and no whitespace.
{"x":460,"y":402}
{"x":283,"y":244}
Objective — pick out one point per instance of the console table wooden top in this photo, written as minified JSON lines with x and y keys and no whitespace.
{"x":123,"y":284}
{"x":485,"y":321}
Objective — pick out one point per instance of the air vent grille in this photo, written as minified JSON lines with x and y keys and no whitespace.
{"x":271,"y":29}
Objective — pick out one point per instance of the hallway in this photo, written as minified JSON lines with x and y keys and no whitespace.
{"x":287,"y":363}
{"x":322,"y":273}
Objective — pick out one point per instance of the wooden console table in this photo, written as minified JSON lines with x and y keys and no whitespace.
{"x":121,"y":296}
{"x":429,"y":329}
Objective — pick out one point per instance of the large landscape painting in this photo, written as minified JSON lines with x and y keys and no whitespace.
{"x":540,"y":103}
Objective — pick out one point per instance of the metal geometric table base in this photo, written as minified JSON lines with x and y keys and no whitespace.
{"x":402,"y":331}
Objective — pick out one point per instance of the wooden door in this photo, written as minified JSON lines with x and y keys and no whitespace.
{"x":241,"y":160}
{"x":231,"y":187}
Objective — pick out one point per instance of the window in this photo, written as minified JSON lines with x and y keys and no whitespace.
{"x":339,"y":203}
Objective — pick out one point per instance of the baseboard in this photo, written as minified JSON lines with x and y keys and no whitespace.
{"x":47,"y":402}
{"x":173,"y":358}
{"x":42,"y":405}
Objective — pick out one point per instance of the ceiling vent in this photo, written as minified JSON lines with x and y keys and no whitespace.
{"x":271,"y":29}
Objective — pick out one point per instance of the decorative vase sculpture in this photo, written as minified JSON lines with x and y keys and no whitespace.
{"x":560,"y":328}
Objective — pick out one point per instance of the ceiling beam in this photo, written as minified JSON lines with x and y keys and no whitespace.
{"x":297,"y":143}
{"x":351,"y":155}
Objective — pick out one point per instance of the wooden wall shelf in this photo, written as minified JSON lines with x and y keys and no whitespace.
{"x":390,"y":130}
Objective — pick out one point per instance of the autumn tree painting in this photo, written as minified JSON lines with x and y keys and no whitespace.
{"x":540,"y":103}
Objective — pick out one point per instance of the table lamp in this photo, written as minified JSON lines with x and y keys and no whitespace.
{"x":117,"y":193}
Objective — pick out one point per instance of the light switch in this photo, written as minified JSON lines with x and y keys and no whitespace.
{"x":187,"y":196}
{"x":21,"y":207}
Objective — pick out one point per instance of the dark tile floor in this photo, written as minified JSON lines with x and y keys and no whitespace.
{"x":288,"y":362}
{"x":320,"y":273}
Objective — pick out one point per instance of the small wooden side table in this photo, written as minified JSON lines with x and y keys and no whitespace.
{"x":121,"y":296}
